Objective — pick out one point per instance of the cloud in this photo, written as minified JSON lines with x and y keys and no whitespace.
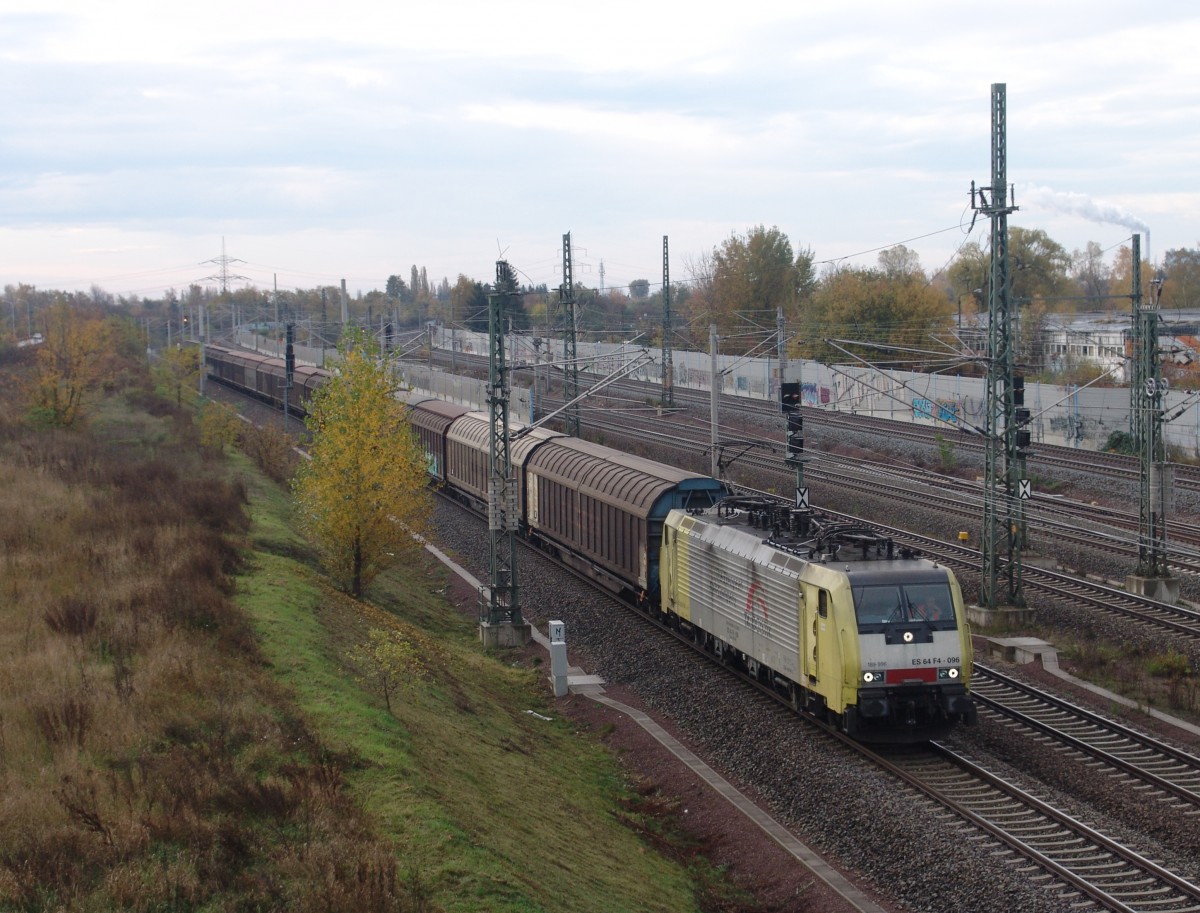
{"x":434,"y":131}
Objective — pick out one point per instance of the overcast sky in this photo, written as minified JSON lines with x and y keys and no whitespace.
{"x":354,"y":139}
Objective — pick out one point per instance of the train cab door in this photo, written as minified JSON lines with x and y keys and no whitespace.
{"x":666,"y":568}
{"x":814,"y":614}
{"x":819,"y":649}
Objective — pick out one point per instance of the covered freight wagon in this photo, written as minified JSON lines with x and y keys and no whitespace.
{"x":431,"y":419}
{"x":603,"y":510}
{"x":468,"y":455}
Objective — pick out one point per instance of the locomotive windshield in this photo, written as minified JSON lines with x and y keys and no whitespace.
{"x":884,"y":604}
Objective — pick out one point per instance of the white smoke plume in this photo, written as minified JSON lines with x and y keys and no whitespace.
{"x":1080,"y":204}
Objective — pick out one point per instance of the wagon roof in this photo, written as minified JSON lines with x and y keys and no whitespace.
{"x":634,"y":482}
{"x":411,"y":398}
{"x":474,"y":429}
{"x":436,"y":414}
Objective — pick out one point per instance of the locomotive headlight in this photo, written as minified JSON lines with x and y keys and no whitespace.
{"x":952,"y":673}
{"x":908,"y":637}
{"x":872,"y":677}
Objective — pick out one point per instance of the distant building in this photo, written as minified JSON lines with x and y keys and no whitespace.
{"x":1100,"y":341}
{"x":1105,"y":342}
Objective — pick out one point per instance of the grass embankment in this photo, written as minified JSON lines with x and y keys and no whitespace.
{"x":495,"y":807}
{"x":181,"y":727}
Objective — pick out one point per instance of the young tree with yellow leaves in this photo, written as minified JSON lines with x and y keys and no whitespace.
{"x":178,"y":369}
{"x":78,"y":355}
{"x":389,"y":660}
{"x":219,"y":426}
{"x":365,"y":490}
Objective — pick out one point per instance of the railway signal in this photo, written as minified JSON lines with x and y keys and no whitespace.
{"x":795,"y":437}
{"x":789,"y":404}
{"x":289,"y":370}
{"x":789,"y":397}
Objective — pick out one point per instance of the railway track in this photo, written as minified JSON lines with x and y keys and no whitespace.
{"x":1093,"y":871}
{"x":1171,"y":775}
{"x":1042,"y":457}
{"x":1049,"y":520}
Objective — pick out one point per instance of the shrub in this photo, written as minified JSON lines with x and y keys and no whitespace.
{"x":271,"y":450}
{"x":1168,"y":665}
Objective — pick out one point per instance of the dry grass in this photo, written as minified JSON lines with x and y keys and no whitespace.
{"x":147,"y":761}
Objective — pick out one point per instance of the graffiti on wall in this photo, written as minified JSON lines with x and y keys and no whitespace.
{"x":945,"y":410}
{"x":815,"y":394}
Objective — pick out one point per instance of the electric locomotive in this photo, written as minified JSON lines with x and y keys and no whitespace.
{"x":848,"y":626}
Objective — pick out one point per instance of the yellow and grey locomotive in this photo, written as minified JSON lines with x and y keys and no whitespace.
{"x":847,"y":625}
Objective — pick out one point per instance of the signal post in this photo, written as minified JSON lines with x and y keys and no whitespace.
{"x":790,"y":398}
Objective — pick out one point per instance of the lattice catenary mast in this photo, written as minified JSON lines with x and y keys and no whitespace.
{"x":1147,"y":389}
{"x":500,"y":617}
{"x":570,"y":346}
{"x":668,"y":368}
{"x":1005,"y":431}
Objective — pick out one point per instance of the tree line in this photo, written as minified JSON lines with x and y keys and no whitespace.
{"x":739,"y":285}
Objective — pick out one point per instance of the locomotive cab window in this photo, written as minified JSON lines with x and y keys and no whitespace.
{"x":877,"y":606}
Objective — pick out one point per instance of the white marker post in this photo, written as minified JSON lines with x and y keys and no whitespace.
{"x":558,"y":658}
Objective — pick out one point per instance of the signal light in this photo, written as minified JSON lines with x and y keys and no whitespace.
{"x":795,"y":437}
{"x":1018,"y":390}
{"x":789,"y":397}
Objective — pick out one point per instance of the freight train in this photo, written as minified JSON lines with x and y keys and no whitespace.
{"x":834,"y":617}
{"x":264,"y":376}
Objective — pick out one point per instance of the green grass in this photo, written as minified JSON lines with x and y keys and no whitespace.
{"x":490,"y":807}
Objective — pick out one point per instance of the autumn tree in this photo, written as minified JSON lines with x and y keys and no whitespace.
{"x":363,"y":493}
{"x":1182,"y":269}
{"x":1038,"y":266}
{"x":469,"y":304}
{"x":79,"y":354}
{"x":1090,"y":271}
{"x":396,"y":288}
{"x":178,"y":368}
{"x":219,"y":426}
{"x":755,"y":274}
{"x":389,"y":660}
{"x":1122,"y":274}
{"x":900,"y":262}
{"x":866,"y":309}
